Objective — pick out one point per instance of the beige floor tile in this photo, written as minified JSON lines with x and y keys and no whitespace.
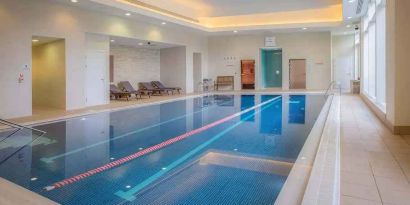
{"x":376,"y":146}
{"x":357,"y":178}
{"x":388,"y":156}
{"x":360,"y":191}
{"x":399,"y":184}
{"x":347,"y":200}
{"x":395,"y":197}
{"x":393,"y":172}
{"x":356,"y":168}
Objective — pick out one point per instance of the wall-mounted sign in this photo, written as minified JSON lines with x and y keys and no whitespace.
{"x":270,"y":41}
{"x":229,"y":61}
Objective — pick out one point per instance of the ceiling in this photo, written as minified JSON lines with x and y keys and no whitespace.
{"x":130,"y":42}
{"x":217,"y":8}
{"x":225,"y":16}
{"x":40,"y":40}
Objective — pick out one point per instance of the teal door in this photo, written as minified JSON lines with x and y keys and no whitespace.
{"x":271,"y":67}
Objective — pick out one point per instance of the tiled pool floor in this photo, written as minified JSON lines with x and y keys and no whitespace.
{"x":375,"y":163}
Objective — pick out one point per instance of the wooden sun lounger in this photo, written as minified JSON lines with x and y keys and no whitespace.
{"x":159,"y":85}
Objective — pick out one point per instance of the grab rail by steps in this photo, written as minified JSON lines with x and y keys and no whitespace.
{"x":15,"y":125}
{"x":18,"y":128}
{"x":330,"y":88}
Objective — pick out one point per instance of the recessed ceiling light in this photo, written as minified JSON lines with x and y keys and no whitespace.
{"x":74,"y":1}
{"x":235,"y":31}
{"x":349,"y":17}
{"x":33,"y":179}
{"x":304,"y":28}
{"x":140,"y":44}
{"x":163,"y":168}
{"x":348,"y":26}
{"x":35,"y":40}
{"x":128,"y":186}
{"x":112,"y":40}
{"x":164,"y":23}
{"x":128,"y":14}
{"x":351,"y":1}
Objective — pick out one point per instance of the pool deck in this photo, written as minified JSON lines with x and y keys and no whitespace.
{"x":375,"y":164}
{"x":12,"y":194}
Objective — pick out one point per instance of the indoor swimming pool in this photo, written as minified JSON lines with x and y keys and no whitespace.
{"x":213,"y":149}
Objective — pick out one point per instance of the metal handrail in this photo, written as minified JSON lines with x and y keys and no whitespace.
{"x":15,"y":125}
{"x":18,"y":127}
{"x":329,"y":88}
{"x":339,"y":88}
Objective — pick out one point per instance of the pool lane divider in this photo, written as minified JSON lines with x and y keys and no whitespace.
{"x":129,"y":195}
{"x":51,"y":159}
{"x":150,"y":149}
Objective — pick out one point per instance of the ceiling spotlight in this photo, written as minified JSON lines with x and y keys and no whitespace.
{"x":235,"y":31}
{"x":74,"y":1}
{"x":164,"y":23}
{"x":35,"y":40}
{"x":128,"y":14}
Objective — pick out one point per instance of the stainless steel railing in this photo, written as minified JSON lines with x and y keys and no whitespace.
{"x":12,"y":142}
{"x":15,"y":125}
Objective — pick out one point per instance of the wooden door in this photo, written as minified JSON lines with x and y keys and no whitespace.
{"x":248,"y":74}
{"x":297,"y":74}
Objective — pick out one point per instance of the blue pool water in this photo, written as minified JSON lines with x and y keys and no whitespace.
{"x":240,"y":152}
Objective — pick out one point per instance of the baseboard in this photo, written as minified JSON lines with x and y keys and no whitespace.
{"x":378,"y":112}
{"x":397,"y":130}
{"x":402,"y":130}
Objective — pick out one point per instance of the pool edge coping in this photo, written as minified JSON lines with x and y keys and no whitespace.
{"x":306,"y":176}
{"x":12,"y":194}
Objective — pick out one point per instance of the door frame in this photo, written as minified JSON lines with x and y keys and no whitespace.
{"x":295,"y":59}
{"x":254,"y":74}
{"x":259,"y":80}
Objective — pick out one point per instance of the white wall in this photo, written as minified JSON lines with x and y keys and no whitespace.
{"x":398,"y":72}
{"x":315,"y":47}
{"x":135,"y":64}
{"x":197,"y":75}
{"x":22,"y":19}
{"x":174,"y":67}
{"x":343,"y":51}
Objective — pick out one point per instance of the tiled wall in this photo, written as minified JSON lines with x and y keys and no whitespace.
{"x":135,"y":64}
